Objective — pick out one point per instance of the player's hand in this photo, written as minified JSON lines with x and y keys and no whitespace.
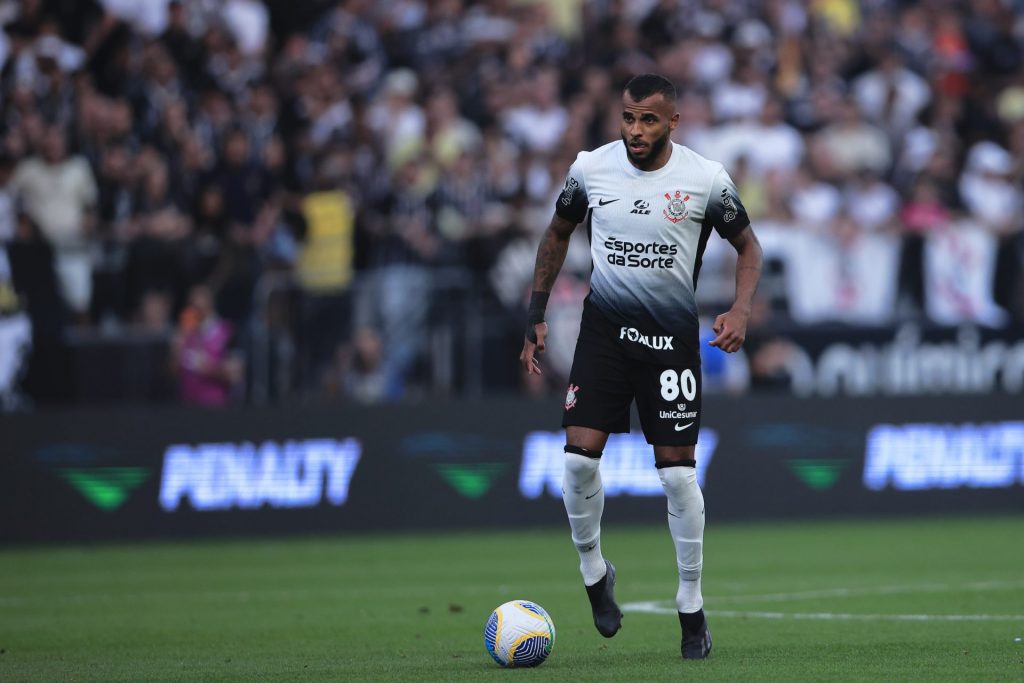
{"x":528,"y":357}
{"x":731,"y":331}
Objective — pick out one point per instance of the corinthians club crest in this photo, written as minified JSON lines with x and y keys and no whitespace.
{"x":570,"y":396}
{"x":676,"y":210}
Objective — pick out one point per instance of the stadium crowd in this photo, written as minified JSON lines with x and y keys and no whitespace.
{"x":296,"y":196}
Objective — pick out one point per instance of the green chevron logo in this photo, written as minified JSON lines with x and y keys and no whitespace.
{"x":105,"y":487}
{"x":819,"y":475}
{"x":471,"y":480}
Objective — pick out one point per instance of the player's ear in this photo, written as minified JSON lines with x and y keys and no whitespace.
{"x":674,"y":121}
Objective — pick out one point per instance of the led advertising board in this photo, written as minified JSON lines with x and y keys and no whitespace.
{"x":151,"y":473}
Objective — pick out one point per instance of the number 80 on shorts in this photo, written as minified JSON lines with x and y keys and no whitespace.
{"x":673,"y":382}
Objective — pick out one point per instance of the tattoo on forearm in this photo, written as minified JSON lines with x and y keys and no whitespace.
{"x":550,"y":256}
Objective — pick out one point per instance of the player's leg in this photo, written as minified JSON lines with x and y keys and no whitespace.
{"x":596,"y":404}
{"x":583,"y":495}
{"x":677,"y":470}
{"x":668,"y":402}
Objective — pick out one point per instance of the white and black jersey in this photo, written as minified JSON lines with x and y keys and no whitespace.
{"x":648,"y":231}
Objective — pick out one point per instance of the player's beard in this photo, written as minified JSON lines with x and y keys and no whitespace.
{"x":653,"y":150}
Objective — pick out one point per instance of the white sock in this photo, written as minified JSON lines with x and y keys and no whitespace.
{"x":583,"y":495}
{"x":686,"y":523}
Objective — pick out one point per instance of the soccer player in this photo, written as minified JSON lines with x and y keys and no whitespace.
{"x":652,"y":206}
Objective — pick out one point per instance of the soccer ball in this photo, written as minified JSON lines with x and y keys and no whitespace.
{"x":519,"y":633}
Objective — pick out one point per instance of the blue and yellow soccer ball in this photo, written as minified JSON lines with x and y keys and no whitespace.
{"x":519,"y":633}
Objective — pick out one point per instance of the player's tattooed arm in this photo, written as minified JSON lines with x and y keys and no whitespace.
{"x":731,"y":327}
{"x":550,"y":256}
{"x":551,"y":253}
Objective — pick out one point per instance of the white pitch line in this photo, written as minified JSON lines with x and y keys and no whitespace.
{"x":871,"y":590}
{"x":659,"y":608}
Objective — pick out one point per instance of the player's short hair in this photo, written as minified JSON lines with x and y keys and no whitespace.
{"x":645,"y":85}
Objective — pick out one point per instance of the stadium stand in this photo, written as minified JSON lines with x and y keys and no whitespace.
{"x":360,"y":185}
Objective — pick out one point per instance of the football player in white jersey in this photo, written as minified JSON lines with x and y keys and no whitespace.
{"x":651,"y":205}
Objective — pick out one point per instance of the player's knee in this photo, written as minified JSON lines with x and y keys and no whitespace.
{"x":675,"y":480}
{"x":585,"y":452}
{"x":580,"y":464}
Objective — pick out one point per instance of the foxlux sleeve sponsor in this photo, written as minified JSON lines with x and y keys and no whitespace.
{"x":640,"y":254}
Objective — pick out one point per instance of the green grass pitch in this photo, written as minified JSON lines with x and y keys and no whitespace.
{"x":912,"y":600}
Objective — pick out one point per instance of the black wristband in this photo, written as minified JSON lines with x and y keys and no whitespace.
{"x":535,"y":313}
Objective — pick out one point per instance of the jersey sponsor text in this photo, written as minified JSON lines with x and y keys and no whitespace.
{"x":677,"y":414}
{"x":640,"y":254}
{"x":657,"y":342}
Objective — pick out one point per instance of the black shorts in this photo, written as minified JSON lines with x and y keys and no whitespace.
{"x":605,"y":380}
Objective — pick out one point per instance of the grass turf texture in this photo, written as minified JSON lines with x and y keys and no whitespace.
{"x":413,"y":607}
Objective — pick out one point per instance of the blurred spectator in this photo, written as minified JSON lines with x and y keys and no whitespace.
{"x":988,"y":191}
{"x":148,"y":18}
{"x":924,"y":210}
{"x":31,"y":259}
{"x":777,"y":363}
{"x":156,"y":258}
{"x":743,"y":96}
{"x":539,"y":120}
{"x":396,"y":117}
{"x":852,"y":144}
{"x":448,"y":135}
{"x":210,"y":223}
{"x":394,"y":296}
{"x":765,"y":143}
{"x":871,"y":203}
{"x":59,"y":194}
{"x":923,"y":213}
{"x":468,"y":215}
{"x":15,"y":338}
{"x":179,"y":41}
{"x":116,"y":179}
{"x":358,"y":371}
{"x":891,"y":94}
{"x":248,"y":21}
{"x":206,"y":367}
{"x":993,"y":196}
{"x":990,"y":30}
{"x":814,"y":204}
{"x":241,"y":178}
{"x":776,"y":145}
{"x":325,"y":261}
{"x":154,"y":313}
